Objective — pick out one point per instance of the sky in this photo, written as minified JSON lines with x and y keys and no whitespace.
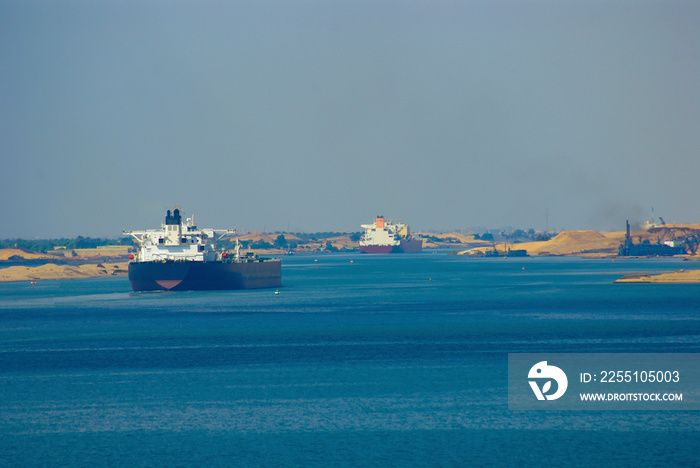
{"x":318,"y":115}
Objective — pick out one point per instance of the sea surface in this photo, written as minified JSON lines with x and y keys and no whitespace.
{"x":361,"y":360}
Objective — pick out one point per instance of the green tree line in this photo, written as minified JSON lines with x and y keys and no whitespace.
{"x":46,"y":245}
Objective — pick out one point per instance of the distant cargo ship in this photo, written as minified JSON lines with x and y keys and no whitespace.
{"x":179,"y":256}
{"x":388,"y":237}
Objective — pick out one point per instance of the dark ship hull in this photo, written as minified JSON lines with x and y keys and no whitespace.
{"x":199,"y":276}
{"x":405,"y":246}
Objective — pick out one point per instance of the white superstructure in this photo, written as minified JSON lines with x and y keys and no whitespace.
{"x":176,"y":240}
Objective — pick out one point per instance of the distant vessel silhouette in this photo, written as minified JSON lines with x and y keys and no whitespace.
{"x":388,"y":237}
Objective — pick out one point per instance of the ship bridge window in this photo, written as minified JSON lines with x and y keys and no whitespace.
{"x":200,"y":248}
{"x":160,"y":240}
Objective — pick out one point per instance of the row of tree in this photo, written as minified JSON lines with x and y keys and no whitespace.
{"x":47,"y":245}
{"x":316,"y":236}
{"x":517,"y":234}
{"x":80,"y":242}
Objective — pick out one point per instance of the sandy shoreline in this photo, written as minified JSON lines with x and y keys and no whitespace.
{"x":51,"y":271}
{"x":680,"y":276}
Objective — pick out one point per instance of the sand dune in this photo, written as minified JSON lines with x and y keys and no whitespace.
{"x":590,"y":243}
{"x":572,"y":242}
{"x":6,"y":254}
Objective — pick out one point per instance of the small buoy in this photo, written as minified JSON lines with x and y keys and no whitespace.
{"x":351,"y":261}
{"x":523,"y":268}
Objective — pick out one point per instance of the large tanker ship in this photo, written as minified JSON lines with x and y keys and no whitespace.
{"x":179,"y":256}
{"x":388,"y":237}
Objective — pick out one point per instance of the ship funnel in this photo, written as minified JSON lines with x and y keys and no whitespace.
{"x":174,"y":219}
{"x":380,"y":222}
{"x":173,"y":227}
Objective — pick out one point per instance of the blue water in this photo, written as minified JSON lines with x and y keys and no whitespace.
{"x":360,"y":361}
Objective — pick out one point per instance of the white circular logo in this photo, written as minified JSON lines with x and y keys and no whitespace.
{"x":542,"y":372}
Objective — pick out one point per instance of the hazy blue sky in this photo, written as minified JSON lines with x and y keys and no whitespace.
{"x":318,"y":115}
